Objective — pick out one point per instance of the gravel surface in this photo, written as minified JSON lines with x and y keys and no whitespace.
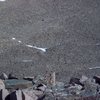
{"x":69,"y":29}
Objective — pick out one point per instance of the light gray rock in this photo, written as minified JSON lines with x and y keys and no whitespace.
{"x":3,"y":94}
{"x":41,"y":87}
{"x":3,"y":76}
{"x":29,"y":78}
{"x":83,"y":79}
{"x":2,"y":85}
{"x":31,"y":92}
{"x":90,"y":88}
{"x":76,"y":89}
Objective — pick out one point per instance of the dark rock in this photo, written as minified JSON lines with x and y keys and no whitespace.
{"x":11,"y":76}
{"x":20,"y":95}
{"x":42,"y":97}
{"x":74,"y":81}
{"x":28,"y":78}
{"x":97,"y":79}
{"x":41,"y":87}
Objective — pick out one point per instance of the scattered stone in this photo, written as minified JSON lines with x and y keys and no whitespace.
{"x":39,"y":79}
{"x":2,"y":85}
{"x":76,"y":81}
{"x":75,"y":90}
{"x":97,"y":79}
{"x":49,"y":96}
{"x":11,"y":76}
{"x":42,"y":98}
{"x":38,"y":93}
{"x":89,"y":98}
{"x":34,"y":88}
{"x":28,"y":78}
{"x":83,"y":79}
{"x":41,"y":87}
{"x":31,"y":92}
{"x":60,"y":84}
{"x":3,"y":94}
{"x":90,"y":88}
{"x":3,"y":76}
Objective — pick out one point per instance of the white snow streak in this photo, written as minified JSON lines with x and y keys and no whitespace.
{"x":42,"y":49}
{"x":2,"y":0}
{"x":95,"y":68}
{"x":13,"y":38}
{"x":26,"y":60}
{"x":30,"y":46}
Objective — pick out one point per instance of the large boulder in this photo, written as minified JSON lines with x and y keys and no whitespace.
{"x":3,"y":76}
{"x":3,"y":94}
{"x":15,"y":84}
{"x":20,"y":95}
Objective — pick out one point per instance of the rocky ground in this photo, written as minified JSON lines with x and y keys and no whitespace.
{"x":47,"y":88}
{"x":68,"y":29}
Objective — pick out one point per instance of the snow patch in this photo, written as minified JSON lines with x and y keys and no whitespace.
{"x":26,"y":60}
{"x":2,"y":0}
{"x":13,"y":38}
{"x":30,"y":46}
{"x":95,"y":67}
{"x":20,"y":41}
{"x":42,"y":49}
{"x":97,"y":44}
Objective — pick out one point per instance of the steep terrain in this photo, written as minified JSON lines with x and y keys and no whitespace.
{"x":69,"y":29}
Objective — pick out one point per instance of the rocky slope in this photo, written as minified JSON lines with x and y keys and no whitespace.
{"x":69,"y":29}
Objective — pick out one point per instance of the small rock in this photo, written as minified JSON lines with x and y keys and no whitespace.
{"x":2,"y":85}
{"x":60,"y":84}
{"x":38,"y":80}
{"x":42,"y":98}
{"x":92,"y":97}
{"x":90,"y":88}
{"x":97,"y":79}
{"x":50,"y":96}
{"x":76,"y":89}
{"x":41,"y":87}
{"x":28,"y":78}
{"x":74,"y":81}
{"x":83,"y":79}
{"x":31,"y":92}
{"x":3,"y":76}
{"x":11,"y":76}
